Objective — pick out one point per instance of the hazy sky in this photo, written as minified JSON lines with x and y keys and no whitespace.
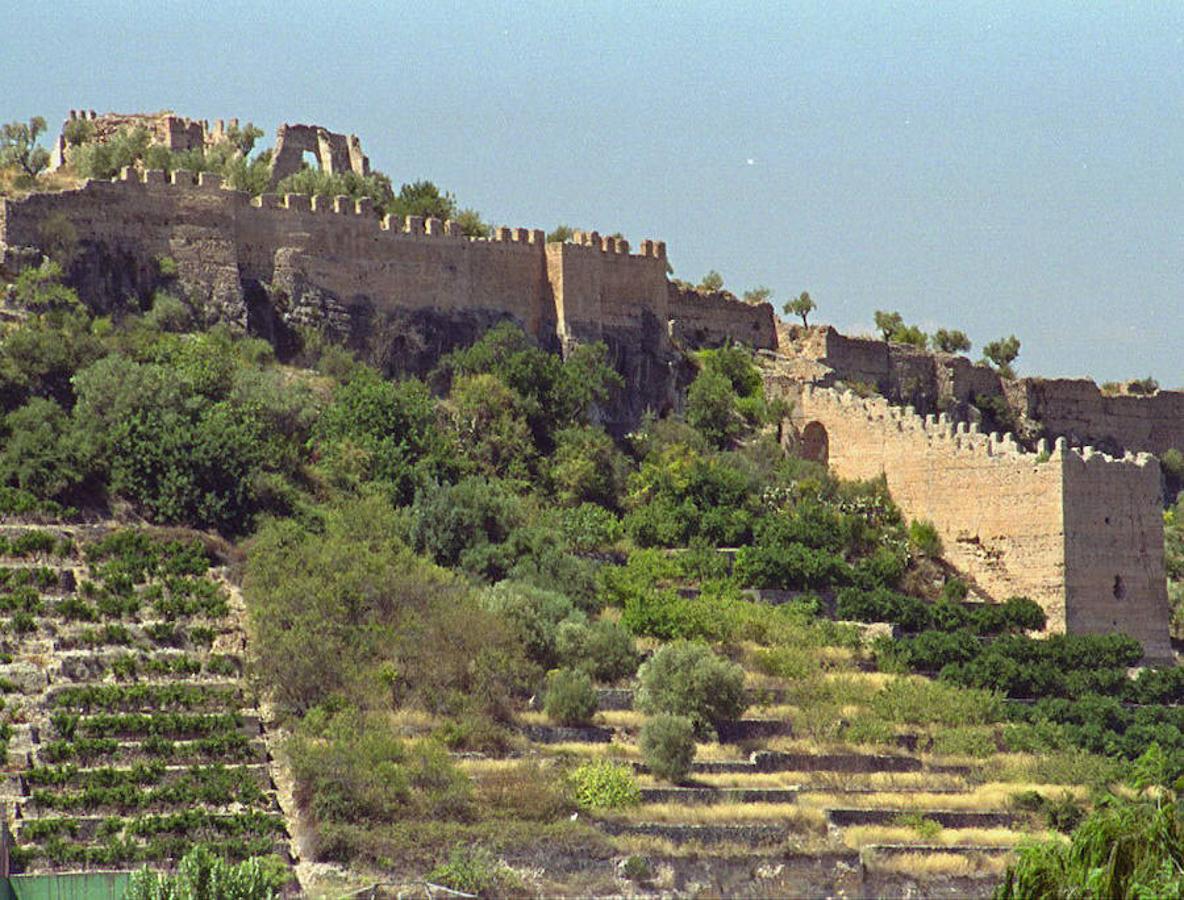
{"x":988,"y":166}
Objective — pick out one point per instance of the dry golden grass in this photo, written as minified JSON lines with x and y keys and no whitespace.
{"x":12,"y":184}
{"x":857,"y":836}
{"x":792,"y":814}
{"x":581,"y":750}
{"x":628,"y":719}
{"x":932,"y":865}
{"x":838,"y":781}
{"x":984,"y":798}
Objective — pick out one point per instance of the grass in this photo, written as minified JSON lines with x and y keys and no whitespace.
{"x":985,"y":798}
{"x":791,"y":814}
{"x":924,"y":866}
{"x":857,"y":836}
{"x":837,"y":781}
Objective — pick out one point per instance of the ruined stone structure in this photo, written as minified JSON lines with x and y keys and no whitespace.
{"x":403,"y":291}
{"x":177,"y":133}
{"x":1075,"y":409}
{"x":334,"y":153}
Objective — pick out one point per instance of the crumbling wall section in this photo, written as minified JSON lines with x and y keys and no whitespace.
{"x":335,"y":153}
{"x":1078,"y":410}
{"x":699,"y":319}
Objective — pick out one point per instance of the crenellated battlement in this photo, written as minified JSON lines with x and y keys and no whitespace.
{"x":956,"y":436}
{"x":1071,"y":527}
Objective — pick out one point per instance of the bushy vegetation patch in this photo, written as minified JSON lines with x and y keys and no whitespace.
{"x":688,"y":679}
{"x":668,"y":746}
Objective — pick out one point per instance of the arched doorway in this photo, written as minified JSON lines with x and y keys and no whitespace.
{"x":815,"y":443}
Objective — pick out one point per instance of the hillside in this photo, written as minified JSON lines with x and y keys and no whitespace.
{"x":271,"y":596}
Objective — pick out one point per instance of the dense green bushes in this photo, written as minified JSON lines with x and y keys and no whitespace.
{"x":570,"y":698}
{"x":667,"y":744}
{"x":350,"y":611}
{"x":688,"y":679}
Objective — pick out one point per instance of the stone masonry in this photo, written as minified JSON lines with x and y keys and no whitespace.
{"x":1077,"y":531}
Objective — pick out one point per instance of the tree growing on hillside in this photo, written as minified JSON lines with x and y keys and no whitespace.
{"x":951,"y":341}
{"x":892,"y":328}
{"x":1002,"y":354}
{"x":802,"y":305}
{"x":18,"y":146}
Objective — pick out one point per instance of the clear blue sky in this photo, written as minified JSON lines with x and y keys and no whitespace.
{"x":997,"y":167}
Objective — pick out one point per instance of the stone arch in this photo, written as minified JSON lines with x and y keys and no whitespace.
{"x":815,"y":443}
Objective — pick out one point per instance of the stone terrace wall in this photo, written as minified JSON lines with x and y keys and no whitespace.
{"x":1018,"y":523}
{"x":710,"y":319}
{"x":1077,"y":409}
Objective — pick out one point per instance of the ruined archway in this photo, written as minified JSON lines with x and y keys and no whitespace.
{"x":815,"y":443}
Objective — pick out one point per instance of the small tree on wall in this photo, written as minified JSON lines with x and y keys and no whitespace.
{"x":952,"y":341}
{"x":802,"y":305}
{"x":1002,"y":353}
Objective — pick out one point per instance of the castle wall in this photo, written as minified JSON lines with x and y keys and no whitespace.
{"x":1114,"y":562}
{"x":709,"y":320}
{"x":1018,"y":523}
{"x":1077,"y":409}
{"x":332,"y":257}
{"x":599,"y":287}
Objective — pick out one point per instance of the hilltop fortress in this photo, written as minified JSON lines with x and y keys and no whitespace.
{"x":1041,"y":511}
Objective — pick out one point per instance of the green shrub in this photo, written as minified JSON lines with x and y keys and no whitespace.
{"x":687,"y":679}
{"x":868,"y":729}
{"x":883,"y":605}
{"x":668,"y":745}
{"x":202,"y":874}
{"x":789,"y":566}
{"x":570,"y":697}
{"x":603,"y":649}
{"x":471,"y":870}
{"x":785,"y":662}
{"x":924,"y":539}
{"x":604,"y":784}
{"x":970,"y":740}
{"x":919,"y":701}
{"x":534,"y":613}
{"x":927,"y":829}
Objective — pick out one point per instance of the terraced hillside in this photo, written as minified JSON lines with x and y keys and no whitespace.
{"x":845,"y":780}
{"x":131,"y":736}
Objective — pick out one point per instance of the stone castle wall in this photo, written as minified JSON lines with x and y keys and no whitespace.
{"x":933,"y":382}
{"x":699,"y":319}
{"x":334,"y":254}
{"x":1063,"y":527}
{"x":1076,"y":408}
